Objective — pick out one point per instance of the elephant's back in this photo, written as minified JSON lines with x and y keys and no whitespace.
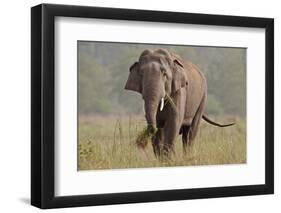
{"x":193,"y":69}
{"x":196,"y":89}
{"x":195,"y":75}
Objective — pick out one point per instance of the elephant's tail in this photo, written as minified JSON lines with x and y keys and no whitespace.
{"x":214,"y":123}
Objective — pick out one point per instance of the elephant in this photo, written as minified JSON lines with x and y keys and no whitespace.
{"x":174,"y":93}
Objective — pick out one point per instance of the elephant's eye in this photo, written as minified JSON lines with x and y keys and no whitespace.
{"x":163,"y":70}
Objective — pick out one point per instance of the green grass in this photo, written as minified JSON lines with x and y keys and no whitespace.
{"x":110,"y":143}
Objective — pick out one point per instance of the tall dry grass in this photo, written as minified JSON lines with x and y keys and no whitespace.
{"x":109,"y":143}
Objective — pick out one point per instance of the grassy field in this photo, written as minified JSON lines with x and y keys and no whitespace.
{"x":109,"y":143}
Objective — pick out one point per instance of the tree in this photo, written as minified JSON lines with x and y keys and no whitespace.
{"x":92,"y":91}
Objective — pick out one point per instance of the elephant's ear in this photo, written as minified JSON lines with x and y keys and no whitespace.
{"x":179,"y":77}
{"x":134,"y":79}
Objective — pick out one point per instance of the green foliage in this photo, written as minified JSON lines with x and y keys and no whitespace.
{"x":92,"y":90}
{"x":213,"y":107}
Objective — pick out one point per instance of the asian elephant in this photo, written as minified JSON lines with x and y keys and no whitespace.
{"x":174,"y":93}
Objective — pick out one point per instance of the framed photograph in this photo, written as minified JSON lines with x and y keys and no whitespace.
{"x":139,"y":106}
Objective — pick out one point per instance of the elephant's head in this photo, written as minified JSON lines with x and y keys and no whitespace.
{"x":156,"y":75}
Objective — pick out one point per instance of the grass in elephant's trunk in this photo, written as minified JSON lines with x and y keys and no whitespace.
{"x":170,"y":101}
{"x":146,"y":135}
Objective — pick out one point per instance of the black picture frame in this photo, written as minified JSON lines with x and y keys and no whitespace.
{"x":43,"y":105}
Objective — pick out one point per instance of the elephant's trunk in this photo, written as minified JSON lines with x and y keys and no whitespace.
{"x":153,"y":92}
{"x":151,"y":107}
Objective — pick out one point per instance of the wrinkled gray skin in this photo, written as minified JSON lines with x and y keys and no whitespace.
{"x":157,"y":74}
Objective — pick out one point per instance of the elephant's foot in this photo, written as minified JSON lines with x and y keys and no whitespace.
{"x":185,"y":138}
{"x":156,"y":150}
{"x":168,"y":151}
{"x":187,"y":150}
{"x":157,"y":143}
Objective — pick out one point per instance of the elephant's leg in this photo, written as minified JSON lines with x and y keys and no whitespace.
{"x":171,"y":130}
{"x":185,"y":137}
{"x":196,"y":121}
{"x":157,"y":142}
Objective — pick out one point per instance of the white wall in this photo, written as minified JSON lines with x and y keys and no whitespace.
{"x":15,"y":105}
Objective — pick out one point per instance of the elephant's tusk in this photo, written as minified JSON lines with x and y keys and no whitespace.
{"x":162,"y":104}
